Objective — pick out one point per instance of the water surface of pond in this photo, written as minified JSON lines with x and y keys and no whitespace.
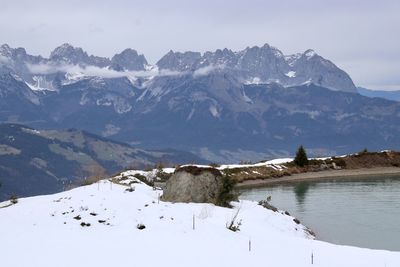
{"x":361,"y":212}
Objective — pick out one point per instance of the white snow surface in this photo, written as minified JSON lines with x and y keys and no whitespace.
{"x":41,"y":231}
{"x":275,"y":164}
{"x":291,"y":74}
{"x":40,"y":84}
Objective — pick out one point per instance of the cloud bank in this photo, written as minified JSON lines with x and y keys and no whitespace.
{"x":3,"y":60}
{"x":207,"y":70}
{"x":93,"y":71}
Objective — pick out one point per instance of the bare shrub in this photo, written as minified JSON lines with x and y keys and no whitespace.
{"x":14,"y":199}
{"x":96,"y":173}
{"x":233,"y":224}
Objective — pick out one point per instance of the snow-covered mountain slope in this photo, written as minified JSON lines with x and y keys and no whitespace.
{"x":97,"y":225}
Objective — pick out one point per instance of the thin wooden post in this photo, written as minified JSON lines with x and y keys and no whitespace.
{"x":158,"y":199}
{"x":249,"y":244}
{"x":312,"y":258}
{"x":194,"y":226}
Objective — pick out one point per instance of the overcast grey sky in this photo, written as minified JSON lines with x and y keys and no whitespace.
{"x":360,"y":36}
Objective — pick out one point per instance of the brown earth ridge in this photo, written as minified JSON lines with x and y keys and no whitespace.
{"x":363,"y":164}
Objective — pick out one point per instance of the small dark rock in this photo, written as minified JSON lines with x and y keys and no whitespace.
{"x":296,"y":221}
{"x":266,"y":205}
{"x":93,"y":214}
{"x":77,"y":217}
{"x":140,"y":226}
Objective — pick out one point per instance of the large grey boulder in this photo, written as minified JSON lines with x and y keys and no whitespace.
{"x":194,"y":184}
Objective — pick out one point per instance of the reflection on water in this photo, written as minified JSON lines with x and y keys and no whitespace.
{"x":363,"y":213}
{"x":301,"y":190}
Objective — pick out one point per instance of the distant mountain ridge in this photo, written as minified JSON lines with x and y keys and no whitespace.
{"x":390,"y":95}
{"x":255,"y":64}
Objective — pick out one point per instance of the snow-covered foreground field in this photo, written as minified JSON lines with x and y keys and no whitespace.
{"x":46,"y":231}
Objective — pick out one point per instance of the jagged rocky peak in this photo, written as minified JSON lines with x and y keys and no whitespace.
{"x":12,"y":53}
{"x":310,"y":53}
{"x":178,"y":61}
{"x":66,"y":53}
{"x":224,"y":53}
{"x":266,"y":49}
{"x":129,"y":59}
{"x":5,"y":50}
{"x":224,"y":57}
{"x":266,"y":62}
{"x":15,"y":60}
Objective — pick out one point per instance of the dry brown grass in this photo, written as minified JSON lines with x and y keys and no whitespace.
{"x":96,"y":173}
{"x":357,"y":161}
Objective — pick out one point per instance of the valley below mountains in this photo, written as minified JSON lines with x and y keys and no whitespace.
{"x":36,"y":162}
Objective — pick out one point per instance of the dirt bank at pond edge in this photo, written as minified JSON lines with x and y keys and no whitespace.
{"x":324,"y":175}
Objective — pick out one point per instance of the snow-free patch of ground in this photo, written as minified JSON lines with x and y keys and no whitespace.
{"x":47,"y":231}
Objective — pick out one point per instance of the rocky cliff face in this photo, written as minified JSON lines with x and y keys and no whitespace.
{"x":129,"y":60}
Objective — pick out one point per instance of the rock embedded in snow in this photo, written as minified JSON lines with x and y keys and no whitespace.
{"x":194,"y":184}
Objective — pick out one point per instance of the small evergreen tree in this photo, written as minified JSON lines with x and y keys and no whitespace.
{"x":301,"y":157}
{"x":227,"y":193}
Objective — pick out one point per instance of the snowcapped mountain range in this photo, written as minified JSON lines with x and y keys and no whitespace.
{"x":255,"y":64}
{"x":224,"y":106}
